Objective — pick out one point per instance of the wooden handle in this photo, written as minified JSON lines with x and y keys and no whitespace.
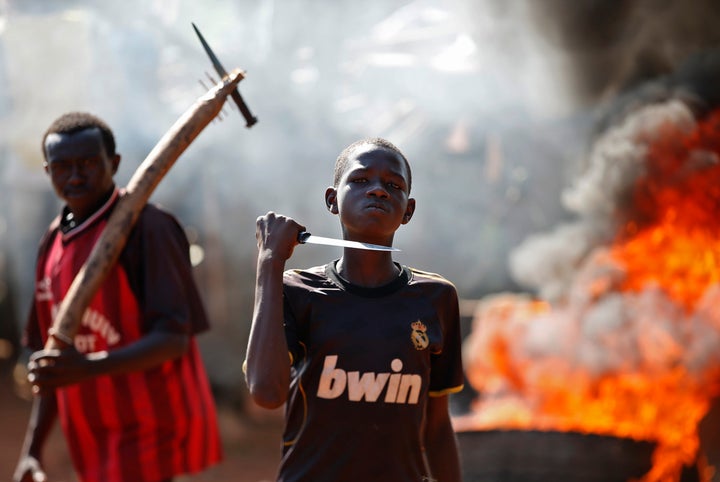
{"x":112,"y":240}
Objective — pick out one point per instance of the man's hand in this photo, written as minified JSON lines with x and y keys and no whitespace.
{"x":49,"y":369}
{"x":29,"y":469}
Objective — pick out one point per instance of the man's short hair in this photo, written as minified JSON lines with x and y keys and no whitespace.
{"x":72,"y":122}
{"x":342,"y":160}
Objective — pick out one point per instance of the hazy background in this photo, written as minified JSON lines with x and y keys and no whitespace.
{"x":494,"y":102}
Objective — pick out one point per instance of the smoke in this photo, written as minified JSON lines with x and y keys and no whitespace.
{"x":492,"y":101}
{"x":599,"y":197}
{"x":548,"y":262}
{"x":416,"y":72}
{"x":612,"y":47}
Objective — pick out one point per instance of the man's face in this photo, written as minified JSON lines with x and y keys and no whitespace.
{"x":372,"y":196}
{"x":80,"y":170}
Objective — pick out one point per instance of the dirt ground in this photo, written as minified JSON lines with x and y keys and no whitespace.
{"x":251,"y":442}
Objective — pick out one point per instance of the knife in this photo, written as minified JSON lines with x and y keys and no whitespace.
{"x":305,"y":237}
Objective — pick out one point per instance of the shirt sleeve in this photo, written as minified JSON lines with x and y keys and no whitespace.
{"x":446,"y":373}
{"x":157,"y":262}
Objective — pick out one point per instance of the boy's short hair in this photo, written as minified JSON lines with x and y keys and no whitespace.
{"x":71,"y":122}
{"x":342,"y":160}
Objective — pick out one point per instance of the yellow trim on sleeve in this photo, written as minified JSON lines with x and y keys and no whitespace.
{"x":447,"y":391}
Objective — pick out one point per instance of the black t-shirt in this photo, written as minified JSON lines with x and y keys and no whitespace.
{"x":364,"y":363}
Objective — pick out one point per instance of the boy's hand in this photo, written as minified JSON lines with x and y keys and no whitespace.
{"x":29,"y":469}
{"x":49,"y":369}
{"x":277,"y":235}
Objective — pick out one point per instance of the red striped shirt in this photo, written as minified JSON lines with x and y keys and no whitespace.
{"x":141,"y":426}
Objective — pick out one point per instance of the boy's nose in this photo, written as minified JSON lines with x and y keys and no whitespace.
{"x":377,"y":189}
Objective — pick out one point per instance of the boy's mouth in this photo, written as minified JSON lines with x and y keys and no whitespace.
{"x":376,"y":206}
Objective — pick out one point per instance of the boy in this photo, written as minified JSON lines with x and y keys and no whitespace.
{"x":374,"y":347}
{"x":131,"y":391}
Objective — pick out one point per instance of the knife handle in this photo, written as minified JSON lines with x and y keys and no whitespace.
{"x":302,"y":236}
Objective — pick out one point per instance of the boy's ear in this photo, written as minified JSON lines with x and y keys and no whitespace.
{"x":116,"y":162}
{"x":331,"y":200}
{"x":409,"y":211}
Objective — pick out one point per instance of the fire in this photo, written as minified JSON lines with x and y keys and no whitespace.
{"x":632,"y":348}
{"x":675,"y":215}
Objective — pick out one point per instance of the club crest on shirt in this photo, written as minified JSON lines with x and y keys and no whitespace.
{"x":419,"y":335}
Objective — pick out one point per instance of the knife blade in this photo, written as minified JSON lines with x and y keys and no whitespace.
{"x":305,"y":237}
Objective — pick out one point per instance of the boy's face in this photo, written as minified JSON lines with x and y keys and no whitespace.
{"x":80,"y":169}
{"x":372,"y":196}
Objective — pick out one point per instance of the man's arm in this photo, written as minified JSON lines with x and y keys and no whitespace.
{"x":50,"y":369}
{"x":440,"y":444}
{"x":42,"y":419}
{"x":157,"y":264}
{"x":267,"y":363}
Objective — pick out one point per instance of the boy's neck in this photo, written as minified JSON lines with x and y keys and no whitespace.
{"x":368,"y":269}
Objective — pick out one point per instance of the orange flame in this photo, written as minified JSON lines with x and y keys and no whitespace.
{"x":672,"y":235}
{"x":648,"y":371}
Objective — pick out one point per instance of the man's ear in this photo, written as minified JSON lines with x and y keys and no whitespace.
{"x":331,"y":200}
{"x":116,"y":162}
{"x":409,"y":211}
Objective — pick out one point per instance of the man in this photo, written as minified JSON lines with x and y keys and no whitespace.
{"x":131,"y":391}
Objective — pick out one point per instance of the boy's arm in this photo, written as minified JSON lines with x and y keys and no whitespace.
{"x":440,"y":444}
{"x":42,"y":418}
{"x":267,"y":362}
